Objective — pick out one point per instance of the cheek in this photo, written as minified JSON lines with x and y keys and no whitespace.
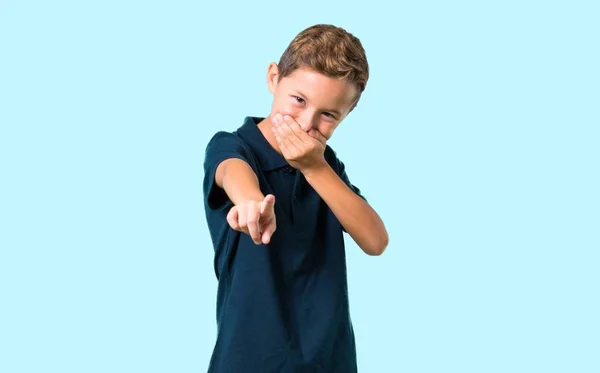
{"x":284,"y":107}
{"x":326,"y":129}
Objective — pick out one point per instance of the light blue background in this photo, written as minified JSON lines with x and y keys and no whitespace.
{"x":477,"y":140}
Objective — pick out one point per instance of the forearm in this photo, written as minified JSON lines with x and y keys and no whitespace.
{"x":356,"y":216}
{"x":239,"y":181}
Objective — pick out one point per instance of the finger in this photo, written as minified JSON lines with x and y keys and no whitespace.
{"x":268,"y":204}
{"x":294,"y":127}
{"x":277,"y":136}
{"x":268,"y":232}
{"x":293,"y":130}
{"x":283,"y":145}
{"x":282,"y":128}
{"x":279,"y":126}
{"x":254,"y":223}
{"x":317,"y":135}
{"x":232,"y":218}
{"x":288,"y":139}
{"x":242,"y":219}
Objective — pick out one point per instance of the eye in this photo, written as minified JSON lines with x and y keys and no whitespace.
{"x":299,"y":99}
{"x":329,"y":115}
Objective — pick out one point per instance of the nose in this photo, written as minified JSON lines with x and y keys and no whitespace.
{"x":307,"y":120}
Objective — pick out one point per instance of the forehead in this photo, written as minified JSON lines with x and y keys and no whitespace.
{"x":320,"y":89}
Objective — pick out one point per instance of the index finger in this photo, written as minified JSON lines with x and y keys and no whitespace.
{"x":267,"y":204}
{"x":293,"y":125}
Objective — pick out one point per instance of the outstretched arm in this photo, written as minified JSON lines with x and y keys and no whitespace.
{"x":253,"y":213}
{"x":238,"y":180}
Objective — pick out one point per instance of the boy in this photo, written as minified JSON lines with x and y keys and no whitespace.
{"x":277,"y":202}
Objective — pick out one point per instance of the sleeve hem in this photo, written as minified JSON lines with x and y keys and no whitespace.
{"x":215,"y":197}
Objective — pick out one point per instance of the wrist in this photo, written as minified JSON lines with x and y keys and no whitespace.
{"x":244,"y":199}
{"x":315,"y":170}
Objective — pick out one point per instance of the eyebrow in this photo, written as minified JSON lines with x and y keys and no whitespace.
{"x":330,"y":111}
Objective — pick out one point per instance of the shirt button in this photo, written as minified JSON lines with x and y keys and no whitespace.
{"x":289,"y":169}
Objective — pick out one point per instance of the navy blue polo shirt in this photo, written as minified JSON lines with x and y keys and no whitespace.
{"x":281,"y":307}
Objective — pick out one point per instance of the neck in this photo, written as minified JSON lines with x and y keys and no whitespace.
{"x":265,"y":128}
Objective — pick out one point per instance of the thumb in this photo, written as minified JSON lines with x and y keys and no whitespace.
{"x":267,"y":204}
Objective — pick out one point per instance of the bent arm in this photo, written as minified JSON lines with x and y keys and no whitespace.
{"x":357,"y":217}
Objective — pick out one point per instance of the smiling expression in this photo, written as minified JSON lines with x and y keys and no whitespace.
{"x":314,"y":100}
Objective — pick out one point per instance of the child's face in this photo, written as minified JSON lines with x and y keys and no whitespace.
{"x":311,"y":98}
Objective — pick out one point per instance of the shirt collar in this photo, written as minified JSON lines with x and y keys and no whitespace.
{"x":268,"y":158}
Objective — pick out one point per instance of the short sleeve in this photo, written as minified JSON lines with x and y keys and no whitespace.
{"x":344,"y":176}
{"x":222,"y":146}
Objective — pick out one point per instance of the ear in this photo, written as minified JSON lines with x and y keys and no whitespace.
{"x":272,"y":76}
